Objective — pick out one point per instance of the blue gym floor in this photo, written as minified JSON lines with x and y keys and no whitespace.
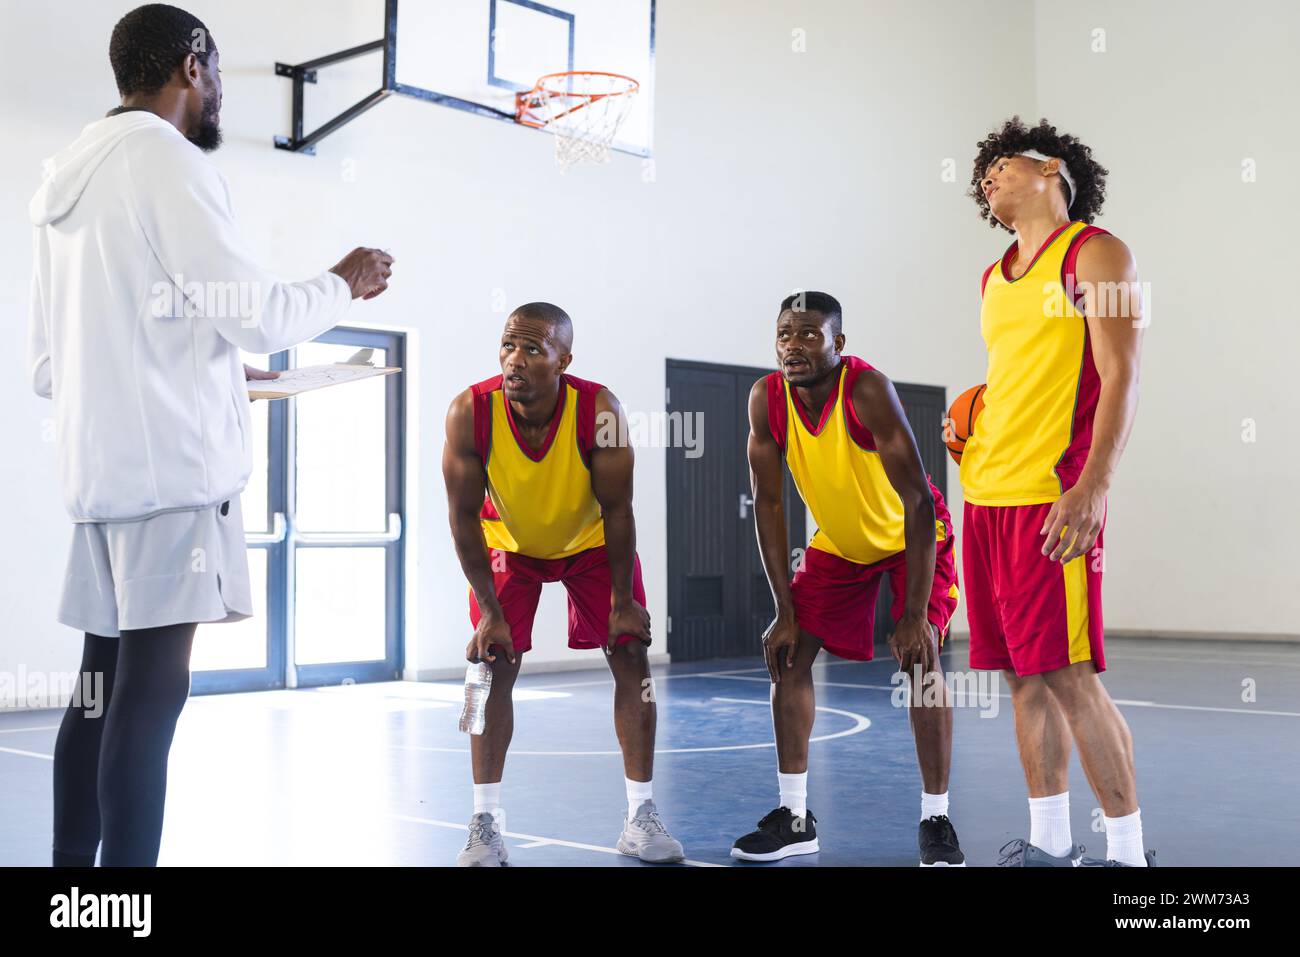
{"x":379,"y":774}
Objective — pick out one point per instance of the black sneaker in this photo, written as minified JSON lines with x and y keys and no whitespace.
{"x":938,"y":840}
{"x":780,"y":834}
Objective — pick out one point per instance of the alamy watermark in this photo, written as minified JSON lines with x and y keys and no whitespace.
{"x":653,"y":430}
{"x":52,"y":689}
{"x":1110,"y":300}
{"x":212,"y":300}
{"x":966,"y":689}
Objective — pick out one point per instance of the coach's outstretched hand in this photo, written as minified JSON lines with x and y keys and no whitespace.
{"x":366,"y":271}
{"x":492,"y":629}
{"x":628,"y":617}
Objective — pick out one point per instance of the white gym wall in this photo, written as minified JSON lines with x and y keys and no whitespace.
{"x":773,"y":169}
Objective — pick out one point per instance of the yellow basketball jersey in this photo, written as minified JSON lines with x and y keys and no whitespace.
{"x":539,"y":502}
{"x":838,"y":472}
{"x":1032,"y":439}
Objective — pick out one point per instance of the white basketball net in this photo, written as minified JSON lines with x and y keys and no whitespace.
{"x":583,"y":110}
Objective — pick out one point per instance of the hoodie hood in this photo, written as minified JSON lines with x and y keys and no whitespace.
{"x":69,"y":171}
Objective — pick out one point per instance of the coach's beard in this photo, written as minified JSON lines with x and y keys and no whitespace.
{"x":208,"y":137}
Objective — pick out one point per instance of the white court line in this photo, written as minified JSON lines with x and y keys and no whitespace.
{"x":1194,"y":707}
{"x":827,"y":684}
{"x":535,"y":841}
{"x":698,"y":674}
{"x":42,"y":727}
{"x":30,"y":754}
{"x":610,"y":681}
{"x":1118,"y":701}
{"x":1207,"y":661}
{"x":860,"y":724}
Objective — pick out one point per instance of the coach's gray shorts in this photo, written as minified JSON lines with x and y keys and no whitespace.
{"x":167,"y":569}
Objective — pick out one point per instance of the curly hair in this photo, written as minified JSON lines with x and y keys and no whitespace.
{"x":150,"y":42}
{"x":1014,"y":138}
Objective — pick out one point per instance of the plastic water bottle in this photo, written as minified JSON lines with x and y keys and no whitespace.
{"x":478,"y":685}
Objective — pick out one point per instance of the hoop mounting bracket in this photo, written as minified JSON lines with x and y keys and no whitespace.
{"x":304,"y":73}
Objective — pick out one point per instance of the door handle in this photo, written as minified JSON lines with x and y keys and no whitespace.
{"x":746,"y":502}
{"x":359,"y":539}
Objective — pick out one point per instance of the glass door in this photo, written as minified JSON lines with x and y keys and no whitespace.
{"x":323,"y":514}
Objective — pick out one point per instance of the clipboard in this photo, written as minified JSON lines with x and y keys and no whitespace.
{"x":293,"y":382}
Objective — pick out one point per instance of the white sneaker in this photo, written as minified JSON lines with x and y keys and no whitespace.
{"x":485,"y":848}
{"x":645,"y":837}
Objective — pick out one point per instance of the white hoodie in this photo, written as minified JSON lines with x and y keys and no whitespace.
{"x":142,"y":296}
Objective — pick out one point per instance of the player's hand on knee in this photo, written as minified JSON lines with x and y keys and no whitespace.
{"x":492,"y":630}
{"x":627,"y":617}
{"x":366,"y":271}
{"x":912,"y":644}
{"x":1074,"y":522}
{"x":779,"y":644}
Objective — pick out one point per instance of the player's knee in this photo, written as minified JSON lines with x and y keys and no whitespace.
{"x":503,"y":672}
{"x":1028,"y":691}
{"x":1075,"y":686}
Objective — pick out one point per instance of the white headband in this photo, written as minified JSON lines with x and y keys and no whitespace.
{"x":1062,"y":169}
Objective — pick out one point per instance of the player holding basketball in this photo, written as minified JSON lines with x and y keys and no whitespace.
{"x":533,"y":498}
{"x":1061,"y":318}
{"x":838,"y":424}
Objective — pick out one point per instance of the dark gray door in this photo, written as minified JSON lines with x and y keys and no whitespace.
{"x":718,"y":598}
{"x":926,"y":406}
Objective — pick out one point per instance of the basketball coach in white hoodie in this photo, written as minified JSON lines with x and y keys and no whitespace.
{"x":142,"y":296}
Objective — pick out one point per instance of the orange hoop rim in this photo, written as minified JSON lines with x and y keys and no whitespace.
{"x":526,"y":101}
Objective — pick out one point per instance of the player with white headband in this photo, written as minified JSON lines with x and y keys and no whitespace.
{"x":1060,"y":401}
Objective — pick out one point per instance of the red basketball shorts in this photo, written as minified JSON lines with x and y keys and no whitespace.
{"x":1027,"y":613}
{"x":586,"y":578}
{"x":835,"y":599}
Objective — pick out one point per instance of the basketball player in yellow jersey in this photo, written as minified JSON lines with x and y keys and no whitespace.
{"x":838,"y":424}
{"x":1061,"y":318}
{"x":535,"y":498}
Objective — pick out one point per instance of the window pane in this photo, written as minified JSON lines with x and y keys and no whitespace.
{"x":340,"y":448}
{"x":239,"y":644}
{"x":253,"y":499}
{"x":339,"y":605}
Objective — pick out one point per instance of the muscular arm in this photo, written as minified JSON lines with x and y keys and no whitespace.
{"x":767,"y":481}
{"x":1115,"y":327}
{"x":878,"y":408}
{"x":466,"y":480}
{"x":1108,"y":276}
{"x":611,"y":483}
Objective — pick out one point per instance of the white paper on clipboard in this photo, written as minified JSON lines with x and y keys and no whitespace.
{"x":293,"y":382}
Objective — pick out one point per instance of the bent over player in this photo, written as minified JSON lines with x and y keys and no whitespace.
{"x":534,"y":498}
{"x":838,"y":424}
{"x":1062,"y":321}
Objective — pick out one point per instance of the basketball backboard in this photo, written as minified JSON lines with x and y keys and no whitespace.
{"x":477,"y":54}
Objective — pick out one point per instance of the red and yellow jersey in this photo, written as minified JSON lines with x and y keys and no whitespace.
{"x":1031,"y":441}
{"x":539,"y":502}
{"x":838,"y":472}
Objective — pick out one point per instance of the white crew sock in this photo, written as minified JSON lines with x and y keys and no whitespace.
{"x":794,"y":792}
{"x":1049,"y":824}
{"x":487,"y":800}
{"x":933,"y":805}
{"x":1124,"y":839}
{"x":638,"y":792}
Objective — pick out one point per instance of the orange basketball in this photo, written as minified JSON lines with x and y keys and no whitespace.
{"x":960,"y":423}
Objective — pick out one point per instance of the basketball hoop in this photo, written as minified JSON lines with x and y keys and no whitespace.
{"x":584,"y":110}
